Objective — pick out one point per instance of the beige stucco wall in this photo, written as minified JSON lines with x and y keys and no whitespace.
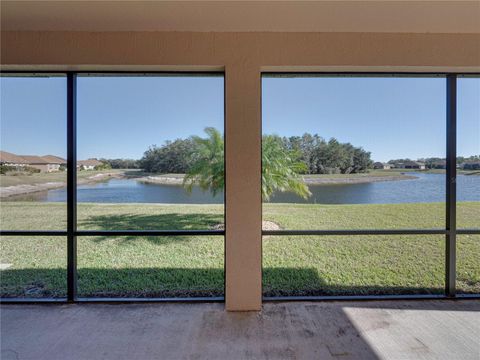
{"x":259,"y":49}
{"x":243,"y":56}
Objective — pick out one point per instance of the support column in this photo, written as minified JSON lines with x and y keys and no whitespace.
{"x":243,"y":208}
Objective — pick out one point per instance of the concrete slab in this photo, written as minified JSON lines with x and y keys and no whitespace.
{"x":294,"y":330}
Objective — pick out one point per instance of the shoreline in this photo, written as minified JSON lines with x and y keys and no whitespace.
{"x":174,"y":179}
{"x":26,"y":189}
{"x":177,"y":179}
{"x":355,"y":180}
{"x":16,"y":190}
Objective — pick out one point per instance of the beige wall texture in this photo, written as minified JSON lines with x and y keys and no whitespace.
{"x":259,"y":49}
{"x":242,"y":56}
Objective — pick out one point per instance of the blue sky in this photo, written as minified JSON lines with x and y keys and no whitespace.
{"x":122,"y":116}
{"x":390,"y":117}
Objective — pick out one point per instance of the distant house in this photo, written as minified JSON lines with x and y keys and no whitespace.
{"x":89,"y":164}
{"x":10,"y":159}
{"x":52,"y":159}
{"x":471,"y":165}
{"x":413,"y":165}
{"x":54,"y":163}
{"x":441,"y":164}
{"x":47,"y":163}
{"x":410,"y":165}
{"x":383,"y":166}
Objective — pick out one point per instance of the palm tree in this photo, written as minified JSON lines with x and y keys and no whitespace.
{"x":280,"y":167}
{"x":207,"y":169}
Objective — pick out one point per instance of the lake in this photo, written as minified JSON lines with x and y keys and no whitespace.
{"x":425,"y":188}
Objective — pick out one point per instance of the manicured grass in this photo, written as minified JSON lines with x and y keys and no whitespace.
{"x":32,"y":179}
{"x":53,"y":216}
{"x":352,"y":265}
{"x":127,"y":266}
{"x":366,"y":265}
{"x":193,"y":266}
{"x":363,"y":216}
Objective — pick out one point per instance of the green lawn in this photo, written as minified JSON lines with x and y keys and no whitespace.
{"x":19,"y":178}
{"x":193,"y":266}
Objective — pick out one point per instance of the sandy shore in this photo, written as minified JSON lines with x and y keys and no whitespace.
{"x":177,"y":179}
{"x":15,"y":190}
{"x":8,"y":191}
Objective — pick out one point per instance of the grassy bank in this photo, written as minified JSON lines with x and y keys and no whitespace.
{"x":13,"y":179}
{"x":193,"y":266}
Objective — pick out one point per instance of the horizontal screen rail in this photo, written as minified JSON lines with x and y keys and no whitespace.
{"x":84,"y":300}
{"x":149,"y":232}
{"x":33,"y":232}
{"x":357,"y":232}
{"x":222,"y":232}
{"x":147,"y":299}
{"x":108,"y":300}
{"x":370,"y":74}
{"x":367,"y":297}
{"x":114,"y":233}
{"x":159,"y":73}
{"x":33,"y":300}
{"x":467,"y":296}
{"x":468,"y":231}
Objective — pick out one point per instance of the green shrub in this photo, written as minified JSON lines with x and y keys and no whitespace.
{"x":6,"y":168}
{"x":18,"y":170}
{"x":104,"y":166}
{"x":31,"y":170}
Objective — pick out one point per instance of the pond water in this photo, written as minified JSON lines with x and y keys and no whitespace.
{"x":425,"y":188}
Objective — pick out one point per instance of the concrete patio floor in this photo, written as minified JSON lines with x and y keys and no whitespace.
{"x":294,"y":330}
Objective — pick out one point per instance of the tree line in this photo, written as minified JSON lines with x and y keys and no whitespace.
{"x":121,"y":163}
{"x":318,"y":155}
{"x":329,"y":157}
{"x":470,"y":162}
